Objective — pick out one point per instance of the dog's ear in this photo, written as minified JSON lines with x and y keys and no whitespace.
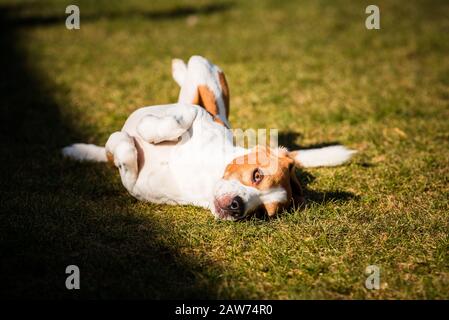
{"x":271,"y":208}
{"x":179,"y":71}
{"x":297,"y":194}
{"x":297,"y":197}
{"x":294,"y":156}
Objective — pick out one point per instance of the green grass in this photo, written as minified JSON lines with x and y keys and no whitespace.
{"x":309,"y":69}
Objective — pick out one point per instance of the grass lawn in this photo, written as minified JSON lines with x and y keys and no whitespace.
{"x":308,"y":68}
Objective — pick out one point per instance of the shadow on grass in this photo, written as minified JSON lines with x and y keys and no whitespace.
{"x":178,"y":12}
{"x":55,"y":213}
{"x":288,"y":139}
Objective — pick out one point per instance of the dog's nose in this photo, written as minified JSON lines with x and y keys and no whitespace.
{"x":236,"y":205}
{"x":233,"y":205}
{"x":230,"y":205}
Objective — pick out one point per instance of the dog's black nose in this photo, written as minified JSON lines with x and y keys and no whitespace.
{"x":236,"y":205}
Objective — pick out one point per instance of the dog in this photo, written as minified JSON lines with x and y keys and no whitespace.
{"x":184,"y":153}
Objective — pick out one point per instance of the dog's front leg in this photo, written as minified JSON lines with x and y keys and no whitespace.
{"x":168,"y":126}
{"x":121,"y":149}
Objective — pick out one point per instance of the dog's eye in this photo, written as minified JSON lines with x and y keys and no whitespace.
{"x":257,"y":176}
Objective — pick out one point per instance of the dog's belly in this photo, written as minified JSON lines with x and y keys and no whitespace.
{"x":186,"y":171}
{"x":169,"y":175}
{"x":182,"y":172}
{"x":155,"y":182}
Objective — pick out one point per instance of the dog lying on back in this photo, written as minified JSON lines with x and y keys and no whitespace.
{"x":184,"y":153}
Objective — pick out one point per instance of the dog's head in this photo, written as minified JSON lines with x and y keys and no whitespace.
{"x":262,"y":180}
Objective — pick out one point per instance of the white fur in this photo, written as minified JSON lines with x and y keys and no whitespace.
{"x":124,"y":152}
{"x":166,"y":126}
{"x":277,"y":194}
{"x":324,"y":157}
{"x":85,"y":152}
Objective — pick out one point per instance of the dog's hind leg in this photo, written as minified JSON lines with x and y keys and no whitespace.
{"x":203,"y":83}
{"x":168,"y":126}
{"x":121,"y":150}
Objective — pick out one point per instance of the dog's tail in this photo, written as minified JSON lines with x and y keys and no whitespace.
{"x":85,"y":152}
{"x":323,"y":157}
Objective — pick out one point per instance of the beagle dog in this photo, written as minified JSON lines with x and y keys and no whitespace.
{"x":184,"y":153}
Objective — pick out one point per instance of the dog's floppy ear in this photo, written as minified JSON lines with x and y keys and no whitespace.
{"x":296,"y":189}
{"x":271,"y":208}
{"x":294,"y":156}
{"x":179,"y":71}
{"x":297,"y":194}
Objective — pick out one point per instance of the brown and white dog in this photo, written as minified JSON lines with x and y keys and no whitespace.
{"x":184,"y":153}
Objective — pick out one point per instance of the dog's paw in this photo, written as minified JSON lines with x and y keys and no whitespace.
{"x":179,"y":71}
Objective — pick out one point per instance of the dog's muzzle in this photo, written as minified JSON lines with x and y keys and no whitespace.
{"x":233,"y":200}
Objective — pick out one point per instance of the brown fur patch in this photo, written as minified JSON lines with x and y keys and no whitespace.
{"x":110,"y":157}
{"x":218,"y":120}
{"x":272,"y":208}
{"x":207,"y":100}
{"x":196,"y":99}
{"x":225,"y":92}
